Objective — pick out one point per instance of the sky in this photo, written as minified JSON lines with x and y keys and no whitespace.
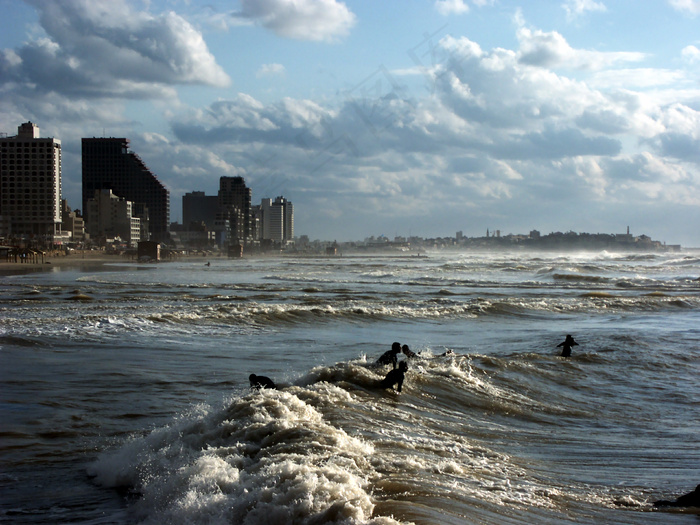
{"x":396,"y":118}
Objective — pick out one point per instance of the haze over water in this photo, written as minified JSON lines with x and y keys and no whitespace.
{"x":125,"y":396}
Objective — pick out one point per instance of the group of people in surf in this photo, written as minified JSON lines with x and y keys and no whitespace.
{"x":396,"y":376}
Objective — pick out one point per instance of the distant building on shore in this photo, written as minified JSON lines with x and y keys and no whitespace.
{"x":109,"y":216}
{"x":276,"y":220}
{"x":231,"y":220}
{"x":30,"y":185}
{"x":109,"y":165}
{"x":73,"y":223}
{"x":234,"y":206}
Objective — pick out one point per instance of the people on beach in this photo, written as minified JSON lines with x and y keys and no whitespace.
{"x":566,"y":345}
{"x":390,"y":357}
{"x":408,"y":352}
{"x":259,"y":382}
{"x":692,"y":499}
{"x":395,"y":377}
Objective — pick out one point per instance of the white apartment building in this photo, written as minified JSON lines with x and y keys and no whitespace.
{"x":277,"y":220}
{"x":109,"y":216}
{"x":30,"y":184}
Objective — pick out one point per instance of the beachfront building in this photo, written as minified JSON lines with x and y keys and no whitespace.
{"x":198,"y":208}
{"x":109,"y":165}
{"x":111,"y":217}
{"x":30,"y":185}
{"x":73,"y":224}
{"x":276,"y":220}
{"x":234,"y":206}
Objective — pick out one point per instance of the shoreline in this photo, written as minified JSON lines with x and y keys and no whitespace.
{"x":74,"y":260}
{"x":61,"y":261}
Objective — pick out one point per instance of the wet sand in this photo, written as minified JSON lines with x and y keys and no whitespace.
{"x":51,"y":262}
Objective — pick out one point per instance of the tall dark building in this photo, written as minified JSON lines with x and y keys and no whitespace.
{"x":198,"y":207}
{"x":108,"y":164}
{"x":235,"y":199}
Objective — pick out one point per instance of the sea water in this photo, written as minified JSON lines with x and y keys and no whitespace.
{"x":124,"y":394}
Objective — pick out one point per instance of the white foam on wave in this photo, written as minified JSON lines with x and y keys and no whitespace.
{"x":267,"y":458}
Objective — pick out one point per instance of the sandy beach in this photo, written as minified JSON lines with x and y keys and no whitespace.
{"x":76,"y":259}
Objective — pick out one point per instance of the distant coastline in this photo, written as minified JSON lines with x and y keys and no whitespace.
{"x":534,"y":241}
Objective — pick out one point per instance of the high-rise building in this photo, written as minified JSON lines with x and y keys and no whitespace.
{"x":199,"y":208}
{"x":277,"y":220}
{"x":30,"y":184}
{"x":108,"y":164}
{"x":234,"y":202}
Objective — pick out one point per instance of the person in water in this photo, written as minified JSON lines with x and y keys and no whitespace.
{"x":259,"y":382}
{"x":692,"y":499}
{"x":408,"y":352}
{"x":567,"y":345}
{"x":390,"y":357}
{"x":395,"y":377}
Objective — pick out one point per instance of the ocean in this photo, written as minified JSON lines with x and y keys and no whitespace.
{"x":124,"y":392}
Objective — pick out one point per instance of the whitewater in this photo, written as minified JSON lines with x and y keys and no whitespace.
{"x":124,"y":395}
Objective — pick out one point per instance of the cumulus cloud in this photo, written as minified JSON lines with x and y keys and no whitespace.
{"x":551,"y":50}
{"x":577,"y":8}
{"x":106,"y":49}
{"x":449,"y":7}
{"x":691,"y":54}
{"x":318,"y":20}
{"x":497,"y":130}
{"x":500,"y":132}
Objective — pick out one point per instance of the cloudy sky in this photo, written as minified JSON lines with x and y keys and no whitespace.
{"x":400,"y":117}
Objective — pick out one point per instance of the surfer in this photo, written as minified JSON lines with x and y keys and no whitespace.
{"x":259,"y":382}
{"x":391,"y":356}
{"x":692,"y":499}
{"x":395,"y":377}
{"x":567,"y":345}
{"x":408,"y":352}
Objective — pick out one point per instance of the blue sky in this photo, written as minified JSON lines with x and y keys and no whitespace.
{"x":401,"y":117}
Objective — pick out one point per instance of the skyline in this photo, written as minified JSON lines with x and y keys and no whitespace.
{"x":405,"y":118}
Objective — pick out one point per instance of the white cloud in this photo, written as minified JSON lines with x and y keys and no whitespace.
{"x":270,"y":70}
{"x":691,"y":54}
{"x":551,"y":50}
{"x":689,"y":6}
{"x":577,"y":8}
{"x":319,"y":20}
{"x":105,"y":49}
{"x":499,"y":135}
{"x":449,"y":7}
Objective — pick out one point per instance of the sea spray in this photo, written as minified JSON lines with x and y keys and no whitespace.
{"x":269,"y":457}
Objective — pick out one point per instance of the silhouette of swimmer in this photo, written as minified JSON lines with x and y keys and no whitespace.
{"x":390,"y":357}
{"x":567,"y":344}
{"x":395,"y":377}
{"x":692,"y":499}
{"x":408,"y":352}
{"x":261,"y":382}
